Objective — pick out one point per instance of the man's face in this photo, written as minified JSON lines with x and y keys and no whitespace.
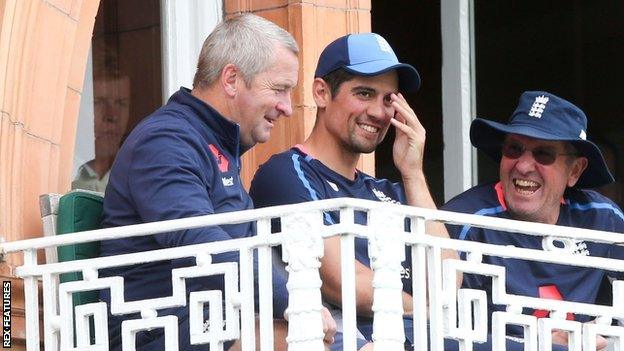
{"x":533,"y":191}
{"x":111,"y":100}
{"x":359,"y":115}
{"x":258,"y":106}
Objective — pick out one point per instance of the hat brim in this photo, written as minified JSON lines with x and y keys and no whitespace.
{"x":409,"y":79}
{"x":488,"y":136}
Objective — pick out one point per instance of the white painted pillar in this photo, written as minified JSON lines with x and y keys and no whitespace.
{"x":185,"y":26}
{"x":458,"y":102}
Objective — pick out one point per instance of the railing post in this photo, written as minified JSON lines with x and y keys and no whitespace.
{"x":347,"y":275}
{"x":387,"y":250}
{"x":302,"y":249}
{"x":31,"y":301}
{"x":265,"y":287}
{"x":419,"y":286}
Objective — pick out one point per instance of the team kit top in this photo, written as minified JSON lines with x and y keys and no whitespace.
{"x":579,"y":209}
{"x":294,"y":176}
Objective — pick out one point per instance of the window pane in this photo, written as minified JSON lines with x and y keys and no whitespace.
{"x":125,"y":78}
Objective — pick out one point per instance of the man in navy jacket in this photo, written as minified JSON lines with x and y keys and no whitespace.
{"x":547,"y":167}
{"x":184,"y":161}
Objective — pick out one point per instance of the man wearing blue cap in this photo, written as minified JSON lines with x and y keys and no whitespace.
{"x":546,"y":166}
{"x":356,"y":90}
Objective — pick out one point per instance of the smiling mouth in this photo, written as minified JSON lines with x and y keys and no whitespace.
{"x":368,"y":128}
{"x":526,"y":187}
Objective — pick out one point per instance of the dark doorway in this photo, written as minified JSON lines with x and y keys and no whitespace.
{"x":413,"y":31}
{"x":573,"y":49}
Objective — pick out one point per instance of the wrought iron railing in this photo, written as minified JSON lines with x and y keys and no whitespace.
{"x":451,"y":313}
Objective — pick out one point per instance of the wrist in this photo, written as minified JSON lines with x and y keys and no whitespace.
{"x":414,"y":177}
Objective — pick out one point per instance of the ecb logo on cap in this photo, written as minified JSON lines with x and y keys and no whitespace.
{"x":383,"y":44}
{"x":538,"y":106}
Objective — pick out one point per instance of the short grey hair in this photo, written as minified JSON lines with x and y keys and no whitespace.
{"x":247,"y":41}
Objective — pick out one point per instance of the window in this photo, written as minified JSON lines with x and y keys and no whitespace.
{"x":122,"y":85}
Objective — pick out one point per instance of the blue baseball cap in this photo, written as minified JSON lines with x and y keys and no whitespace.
{"x":366,"y":54}
{"x":545,"y":116}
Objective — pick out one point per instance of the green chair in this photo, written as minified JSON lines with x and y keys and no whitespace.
{"x":76,"y":211}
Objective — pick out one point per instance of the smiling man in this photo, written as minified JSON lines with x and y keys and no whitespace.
{"x":547,"y":165}
{"x":184,"y":161}
{"x":357,"y":94}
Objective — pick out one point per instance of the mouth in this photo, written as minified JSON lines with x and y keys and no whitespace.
{"x":525,"y":186}
{"x":107,"y":135}
{"x":368,"y":128}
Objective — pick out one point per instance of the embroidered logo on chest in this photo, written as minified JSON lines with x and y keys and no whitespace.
{"x":566,"y":245}
{"x":222,"y":161}
{"x":227,"y":181}
{"x":383,"y":197}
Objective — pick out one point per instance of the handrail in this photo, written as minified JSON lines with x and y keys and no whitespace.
{"x":301,"y":239}
{"x":508,"y":225}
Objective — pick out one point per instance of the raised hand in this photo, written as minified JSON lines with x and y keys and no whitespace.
{"x":409,"y":143}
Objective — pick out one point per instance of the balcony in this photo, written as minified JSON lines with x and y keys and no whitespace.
{"x":449,"y":312}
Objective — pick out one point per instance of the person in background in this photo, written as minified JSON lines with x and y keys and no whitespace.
{"x":356,"y":89}
{"x":547,"y":166}
{"x":184,"y":161}
{"x":111,"y":107}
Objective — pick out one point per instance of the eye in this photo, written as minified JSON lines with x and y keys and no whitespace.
{"x":544,"y":156}
{"x":365,"y":94}
{"x":280,"y":89}
{"x":123,"y":102}
{"x":512,"y":150}
{"x":388,"y":99}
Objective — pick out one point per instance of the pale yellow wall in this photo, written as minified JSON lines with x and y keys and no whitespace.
{"x":43,"y":52}
{"x":314,"y":24}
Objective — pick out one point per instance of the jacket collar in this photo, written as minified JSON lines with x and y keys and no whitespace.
{"x":225,"y":130}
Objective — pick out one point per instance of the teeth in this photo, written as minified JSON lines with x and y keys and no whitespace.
{"x":523,"y":182}
{"x":526,"y":187}
{"x":368,"y":128}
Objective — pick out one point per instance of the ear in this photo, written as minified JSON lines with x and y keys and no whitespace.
{"x":321,"y":92}
{"x":228,"y":78}
{"x":578,"y":167}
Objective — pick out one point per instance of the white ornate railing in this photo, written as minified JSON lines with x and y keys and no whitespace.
{"x":301,"y":240}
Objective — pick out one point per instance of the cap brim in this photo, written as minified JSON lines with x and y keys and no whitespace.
{"x":488,"y":137}
{"x":409,"y":79}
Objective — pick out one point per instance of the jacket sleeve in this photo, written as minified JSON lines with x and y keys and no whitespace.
{"x":463,"y":232}
{"x":617,"y":251}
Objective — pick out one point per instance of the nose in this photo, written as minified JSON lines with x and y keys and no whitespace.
{"x":379,"y":109}
{"x":111,"y":112}
{"x":526,"y":162}
{"x":285,"y":106}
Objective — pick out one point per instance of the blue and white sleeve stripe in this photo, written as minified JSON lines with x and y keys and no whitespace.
{"x":297,"y":165}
